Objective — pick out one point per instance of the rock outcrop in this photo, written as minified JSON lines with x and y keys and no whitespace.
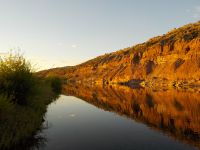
{"x":172,"y":59}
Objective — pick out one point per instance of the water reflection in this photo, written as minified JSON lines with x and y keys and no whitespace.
{"x":173,"y":112}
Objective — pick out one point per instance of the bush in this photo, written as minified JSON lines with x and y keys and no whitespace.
{"x":56,"y":84}
{"x":18,"y":85}
{"x":16,"y":78}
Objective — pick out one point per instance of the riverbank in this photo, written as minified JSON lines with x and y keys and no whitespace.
{"x":23,"y":102}
{"x":19,"y":123}
{"x":157,"y":83}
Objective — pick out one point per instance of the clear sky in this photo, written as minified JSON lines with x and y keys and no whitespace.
{"x":66,"y":32}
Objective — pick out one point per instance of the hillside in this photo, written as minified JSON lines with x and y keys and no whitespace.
{"x":170,"y":59}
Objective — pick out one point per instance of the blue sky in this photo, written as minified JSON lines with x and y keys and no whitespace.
{"x":55,"y":33}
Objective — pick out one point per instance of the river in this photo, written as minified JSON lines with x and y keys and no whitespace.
{"x":116,"y":118}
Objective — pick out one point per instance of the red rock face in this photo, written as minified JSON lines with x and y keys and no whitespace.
{"x":173,"y":58}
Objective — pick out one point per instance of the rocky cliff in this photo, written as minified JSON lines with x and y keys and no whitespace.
{"x":171,"y":59}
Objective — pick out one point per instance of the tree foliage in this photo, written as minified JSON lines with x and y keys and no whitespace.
{"x":16,"y":78}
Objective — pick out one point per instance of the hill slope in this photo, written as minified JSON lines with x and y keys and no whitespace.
{"x":173,"y":58}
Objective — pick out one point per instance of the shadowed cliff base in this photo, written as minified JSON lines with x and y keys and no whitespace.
{"x":171,"y":60}
{"x":173,"y":112}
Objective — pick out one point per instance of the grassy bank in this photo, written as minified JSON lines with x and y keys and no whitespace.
{"x":23,"y":102}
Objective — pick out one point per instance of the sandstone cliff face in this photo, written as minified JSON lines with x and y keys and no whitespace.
{"x":173,"y":58}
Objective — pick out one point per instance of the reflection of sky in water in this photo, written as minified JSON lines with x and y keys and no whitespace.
{"x":75,"y":124}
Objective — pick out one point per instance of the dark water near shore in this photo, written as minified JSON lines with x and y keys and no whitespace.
{"x":121,"y":118}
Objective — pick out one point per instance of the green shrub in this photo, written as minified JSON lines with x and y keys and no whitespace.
{"x":20,"y":123}
{"x":16,"y":78}
{"x":56,"y":84}
{"x":6,"y":107}
{"x":18,"y":85}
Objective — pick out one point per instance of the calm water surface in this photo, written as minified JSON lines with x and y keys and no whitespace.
{"x":76,"y":124}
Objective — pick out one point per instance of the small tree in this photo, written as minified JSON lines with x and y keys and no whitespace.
{"x":16,"y":78}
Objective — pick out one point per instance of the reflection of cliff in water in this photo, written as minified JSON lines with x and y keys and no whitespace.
{"x":176,"y":113}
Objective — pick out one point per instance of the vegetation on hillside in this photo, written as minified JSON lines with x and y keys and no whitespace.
{"x":172,"y":59}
